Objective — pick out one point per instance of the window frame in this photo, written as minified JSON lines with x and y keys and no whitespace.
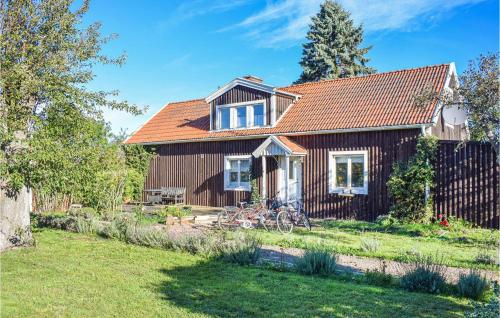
{"x":227,"y":170}
{"x":332,"y":171}
{"x":233,"y":118}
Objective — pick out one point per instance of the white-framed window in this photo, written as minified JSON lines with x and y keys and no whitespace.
{"x":241,"y":115}
{"x":237,"y":173}
{"x":348,"y":172}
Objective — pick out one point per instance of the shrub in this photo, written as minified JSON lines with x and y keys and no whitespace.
{"x":178,"y":212}
{"x":386,"y":220}
{"x":489,"y":310}
{"x":85,"y":225}
{"x":57,"y":221}
{"x":85,"y":212}
{"x":483,"y":257}
{"x":472,"y":285}
{"x":379,"y":277}
{"x":317,"y":262}
{"x":408,"y":181}
{"x":369,"y":244}
{"x":244,"y":249}
{"x":424,"y":274}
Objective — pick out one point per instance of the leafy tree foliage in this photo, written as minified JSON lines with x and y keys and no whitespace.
{"x":333,"y":48}
{"x":137,"y":160}
{"x":46,"y":60}
{"x":409,"y":180}
{"x":479,"y":92}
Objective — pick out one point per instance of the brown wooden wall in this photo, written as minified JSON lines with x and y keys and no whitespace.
{"x":199,"y":168}
{"x":467,"y":183}
{"x":384,"y":148}
{"x":282,"y":103}
{"x":241,"y":94}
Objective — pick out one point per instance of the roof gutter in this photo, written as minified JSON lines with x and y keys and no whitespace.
{"x":314,"y":132}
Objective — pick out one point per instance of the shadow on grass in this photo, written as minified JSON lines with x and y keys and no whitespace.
{"x":224,"y":290}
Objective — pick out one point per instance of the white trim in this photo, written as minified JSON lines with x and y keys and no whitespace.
{"x":300,"y":133}
{"x":332,"y":188}
{"x":272,"y":120}
{"x":248,"y":187}
{"x":147,"y":121}
{"x":289,"y":152}
{"x":264,"y":178}
{"x":452,"y":72}
{"x":287,"y":178}
{"x":247,"y":83}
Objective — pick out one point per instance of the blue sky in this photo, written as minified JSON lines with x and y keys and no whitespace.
{"x":178,"y":50}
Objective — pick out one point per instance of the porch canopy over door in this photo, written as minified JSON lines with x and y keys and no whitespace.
{"x":278,"y":146}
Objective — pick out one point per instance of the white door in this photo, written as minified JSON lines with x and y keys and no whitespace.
{"x":294,"y":179}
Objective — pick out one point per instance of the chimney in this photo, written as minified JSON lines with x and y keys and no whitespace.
{"x":253,"y":78}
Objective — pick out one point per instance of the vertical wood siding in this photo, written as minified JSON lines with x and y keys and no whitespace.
{"x":282,"y":103}
{"x":384,"y":148}
{"x":467,"y":183}
{"x":198,"y":166}
{"x":467,"y":179}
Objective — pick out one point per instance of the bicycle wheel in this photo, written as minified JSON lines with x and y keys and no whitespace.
{"x":284,"y":222}
{"x":262,"y":220}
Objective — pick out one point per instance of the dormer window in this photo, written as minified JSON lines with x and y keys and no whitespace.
{"x":241,"y":115}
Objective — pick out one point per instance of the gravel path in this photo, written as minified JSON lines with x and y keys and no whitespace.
{"x":358,"y":265}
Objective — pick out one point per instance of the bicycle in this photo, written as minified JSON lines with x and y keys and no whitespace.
{"x":229,"y":217}
{"x":245,"y":216}
{"x":292,"y":216}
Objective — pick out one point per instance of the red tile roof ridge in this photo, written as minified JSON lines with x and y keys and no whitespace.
{"x":187,"y":101}
{"x":368,"y":75}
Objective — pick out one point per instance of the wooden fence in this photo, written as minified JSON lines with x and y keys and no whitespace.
{"x":467,"y":183}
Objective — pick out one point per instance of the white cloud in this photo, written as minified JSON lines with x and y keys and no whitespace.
{"x":285,"y":22}
{"x":193,"y":8}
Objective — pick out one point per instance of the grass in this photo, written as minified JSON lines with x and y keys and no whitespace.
{"x":459,"y":247}
{"x":69,"y":274}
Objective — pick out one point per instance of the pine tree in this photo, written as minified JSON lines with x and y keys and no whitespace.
{"x":333,"y":49}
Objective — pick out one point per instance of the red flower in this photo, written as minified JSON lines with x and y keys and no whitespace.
{"x":444,"y":222}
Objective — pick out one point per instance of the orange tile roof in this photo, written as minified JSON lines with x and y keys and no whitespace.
{"x":295,"y":148}
{"x":385,"y":99}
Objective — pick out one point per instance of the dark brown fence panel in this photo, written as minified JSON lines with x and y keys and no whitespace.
{"x":467,"y":182}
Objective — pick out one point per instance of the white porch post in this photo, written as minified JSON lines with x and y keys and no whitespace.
{"x":264,"y":177}
{"x":287,"y":171}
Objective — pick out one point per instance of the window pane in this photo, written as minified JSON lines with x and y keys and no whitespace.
{"x":357,"y":174}
{"x":258,"y":115}
{"x":225,"y":115}
{"x":245,"y":165}
{"x":341,"y":171}
{"x":241,"y":117}
{"x":233,"y":177}
{"x":245,"y":176}
{"x":233,"y":165}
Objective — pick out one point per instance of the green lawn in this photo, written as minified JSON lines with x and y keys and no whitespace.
{"x":458,"y":247}
{"x":76,"y":275}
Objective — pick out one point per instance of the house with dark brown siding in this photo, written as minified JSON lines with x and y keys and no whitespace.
{"x":331,"y":144}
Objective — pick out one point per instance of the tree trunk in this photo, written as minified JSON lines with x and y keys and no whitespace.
{"x":15,"y":219}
